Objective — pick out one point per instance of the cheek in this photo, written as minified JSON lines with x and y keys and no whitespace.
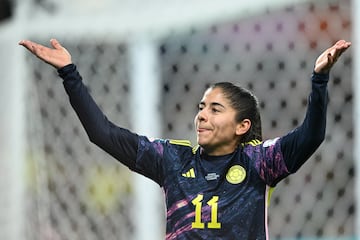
{"x":227,"y":128}
{"x":195,"y":120}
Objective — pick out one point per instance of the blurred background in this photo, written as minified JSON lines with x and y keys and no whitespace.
{"x":147,"y":63}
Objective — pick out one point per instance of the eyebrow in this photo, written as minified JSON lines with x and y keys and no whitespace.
{"x":213,"y":104}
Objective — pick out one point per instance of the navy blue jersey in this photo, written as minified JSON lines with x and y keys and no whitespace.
{"x":214,"y":197}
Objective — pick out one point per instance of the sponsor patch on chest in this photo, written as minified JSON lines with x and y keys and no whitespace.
{"x":212,"y":176}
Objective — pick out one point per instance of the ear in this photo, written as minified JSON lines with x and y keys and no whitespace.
{"x":243,"y":127}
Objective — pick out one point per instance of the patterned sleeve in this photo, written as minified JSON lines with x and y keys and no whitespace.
{"x":150,"y":157}
{"x":275,"y":159}
{"x":268,"y":161}
{"x":298,"y":145}
{"x":118,"y":142}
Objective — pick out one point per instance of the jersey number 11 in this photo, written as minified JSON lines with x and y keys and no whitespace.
{"x":213,"y":203}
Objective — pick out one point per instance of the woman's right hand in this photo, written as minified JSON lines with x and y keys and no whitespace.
{"x":57,"y":56}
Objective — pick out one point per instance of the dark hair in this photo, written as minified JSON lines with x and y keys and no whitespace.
{"x":247,"y":107}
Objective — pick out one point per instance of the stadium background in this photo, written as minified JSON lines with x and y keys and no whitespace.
{"x":72,"y":190}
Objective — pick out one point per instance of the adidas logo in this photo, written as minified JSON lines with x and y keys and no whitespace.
{"x":189,"y":174}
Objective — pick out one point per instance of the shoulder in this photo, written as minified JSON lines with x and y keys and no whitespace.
{"x":166,"y":144}
{"x":185,"y":145}
{"x":257,"y":146}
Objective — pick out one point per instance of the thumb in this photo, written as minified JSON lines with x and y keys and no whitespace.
{"x":55,"y":43}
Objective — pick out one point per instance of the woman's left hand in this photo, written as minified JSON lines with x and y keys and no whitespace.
{"x":329,"y":57}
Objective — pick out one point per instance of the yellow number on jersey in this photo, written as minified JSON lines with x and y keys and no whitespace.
{"x":213,"y":203}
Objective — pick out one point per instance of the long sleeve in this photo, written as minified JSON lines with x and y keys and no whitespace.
{"x":301,"y":143}
{"x":117,"y":141}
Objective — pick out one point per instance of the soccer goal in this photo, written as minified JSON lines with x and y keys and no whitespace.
{"x":147,"y":63}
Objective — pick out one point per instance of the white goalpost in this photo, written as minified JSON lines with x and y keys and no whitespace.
{"x":356,"y":77}
{"x":131,"y":22}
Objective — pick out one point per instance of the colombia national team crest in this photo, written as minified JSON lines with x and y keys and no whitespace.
{"x":236,"y":174}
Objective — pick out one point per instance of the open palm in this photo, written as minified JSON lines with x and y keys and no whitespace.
{"x":329,"y":57}
{"x":57,"y":56}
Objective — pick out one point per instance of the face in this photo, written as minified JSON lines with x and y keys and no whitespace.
{"x":217,"y":130}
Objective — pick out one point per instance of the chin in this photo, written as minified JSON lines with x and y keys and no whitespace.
{"x":201,"y":143}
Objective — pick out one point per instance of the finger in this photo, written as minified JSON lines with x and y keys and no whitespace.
{"x":339,"y":51}
{"x":32,"y":47}
{"x":339,"y":48}
{"x":342,"y":45}
{"x":27,"y":44}
{"x":24,"y":42}
{"x":55,"y":43}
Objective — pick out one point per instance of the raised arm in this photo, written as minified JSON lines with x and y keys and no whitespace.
{"x":301,"y":143}
{"x":117,"y":141}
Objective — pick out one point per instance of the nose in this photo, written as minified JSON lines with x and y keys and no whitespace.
{"x":201,"y":115}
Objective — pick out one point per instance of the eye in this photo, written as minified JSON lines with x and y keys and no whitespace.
{"x":215,"y":110}
{"x":200,"y":107}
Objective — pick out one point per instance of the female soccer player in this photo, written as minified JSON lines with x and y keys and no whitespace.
{"x":219,"y":189}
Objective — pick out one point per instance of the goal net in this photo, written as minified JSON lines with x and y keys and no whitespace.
{"x":76,"y":191}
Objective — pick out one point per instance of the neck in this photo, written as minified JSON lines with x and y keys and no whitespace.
{"x":217,"y":152}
